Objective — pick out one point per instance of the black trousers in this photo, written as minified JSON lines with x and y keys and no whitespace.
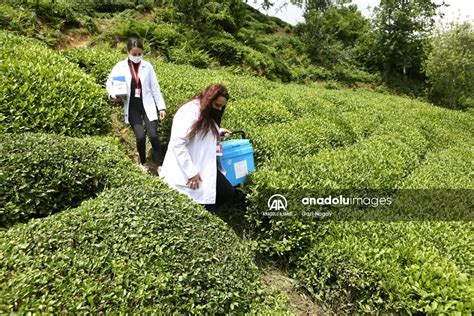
{"x":136,"y":116}
{"x":224,"y":192}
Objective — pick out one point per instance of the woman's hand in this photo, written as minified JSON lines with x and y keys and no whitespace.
{"x":162,"y":115}
{"x":193,"y":182}
{"x":225,"y":132}
{"x":116,"y":98}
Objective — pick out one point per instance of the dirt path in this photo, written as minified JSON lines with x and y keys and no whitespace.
{"x":300,"y":302}
{"x":74,"y":38}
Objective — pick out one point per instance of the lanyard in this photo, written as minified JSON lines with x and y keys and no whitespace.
{"x":218,"y":137}
{"x":134,"y":73}
{"x":219,"y":144}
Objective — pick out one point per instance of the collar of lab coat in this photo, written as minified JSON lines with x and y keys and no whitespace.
{"x":143,"y":65}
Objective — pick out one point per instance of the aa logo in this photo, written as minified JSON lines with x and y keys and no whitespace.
{"x":277,"y":202}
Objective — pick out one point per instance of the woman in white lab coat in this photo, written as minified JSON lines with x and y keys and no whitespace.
{"x":191,"y":163}
{"x":142,"y":100}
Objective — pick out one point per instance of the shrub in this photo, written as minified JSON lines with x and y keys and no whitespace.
{"x":42,"y":91}
{"x":352,"y":75}
{"x":250,"y":113}
{"x":451,"y":168}
{"x":226,"y":50}
{"x":309,"y":136}
{"x":94,"y":61}
{"x":407,"y":267}
{"x":378,"y":162}
{"x":135,"y":249}
{"x":17,"y":19}
{"x":259,"y":63}
{"x":313,"y":73}
{"x":445,"y":128}
{"x":449,"y":66}
{"x":186,"y":54}
{"x":43,"y":173}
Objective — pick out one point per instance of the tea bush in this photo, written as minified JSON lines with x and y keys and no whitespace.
{"x":301,"y":137}
{"x":43,"y":173}
{"x":372,"y":267}
{"x":451,"y":168}
{"x":42,"y":91}
{"x":226,"y":50}
{"x":140,"y":248}
{"x":396,"y":267}
{"x":96,"y":62}
{"x":376,"y":163}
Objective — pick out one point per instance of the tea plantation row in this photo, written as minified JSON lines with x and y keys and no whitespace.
{"x":41,"y":91}
{"x":138,"y":246}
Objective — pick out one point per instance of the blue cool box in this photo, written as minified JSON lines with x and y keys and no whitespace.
{"x":237,"y":160}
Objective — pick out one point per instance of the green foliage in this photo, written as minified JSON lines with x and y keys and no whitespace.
{"x":313,"y":133}
{"x":187,"y":54}
{"x":309,"y":138}
{"x":450,"y":169}
{"x":251,"y":113}
{"x":139,"y":248}
{"x":407,"y":267}
{"x":16,"y":19}
{"x":402,"y":29}
{"x":96,"y":62}
{"x":177,"y":87}
{"x":199,"y":33}
{"x":46,"y":19}
{"x":42,"y":91}
{"x":226,"y":50}
{"x":450,"y":66}
{"x":371,"y":267}
{"x":212,"y":15}
{"x":330,"y":32}
{"x":43,"y":173}
{"x":154,"y":35}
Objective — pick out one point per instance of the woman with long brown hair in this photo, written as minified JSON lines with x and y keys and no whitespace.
{"x":191,"y":164}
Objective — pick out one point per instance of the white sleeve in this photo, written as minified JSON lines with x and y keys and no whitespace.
{"x":108,"y":83}
{"x":155,"y":88}
{"x":182,"y":122}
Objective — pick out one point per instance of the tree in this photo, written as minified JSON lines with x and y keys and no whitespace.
{"x":450,"y":66}
{"x":226,"y":15}
{"x":403,"y":27}
{"x":331,"y":34}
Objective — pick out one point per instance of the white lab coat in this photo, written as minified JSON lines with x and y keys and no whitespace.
{"x":187,"y":157}
{"x":152,"y":97}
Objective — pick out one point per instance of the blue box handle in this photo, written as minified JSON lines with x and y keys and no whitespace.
{"x":241,"y":133}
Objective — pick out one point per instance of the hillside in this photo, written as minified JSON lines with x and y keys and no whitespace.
{"x":229,"y":34}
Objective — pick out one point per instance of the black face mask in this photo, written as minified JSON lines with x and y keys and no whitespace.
{"x":216,"y":115}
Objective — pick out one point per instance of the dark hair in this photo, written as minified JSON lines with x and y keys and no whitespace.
{"x":206,"y":98}
{"x":134,"y":42}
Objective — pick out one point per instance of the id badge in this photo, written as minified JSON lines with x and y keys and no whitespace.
{"x":137,"y":93}
{"x":219,"y":149}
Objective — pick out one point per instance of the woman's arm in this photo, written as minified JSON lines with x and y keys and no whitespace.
{"x":155,"y":89}
{"x":182,"y":122}
{"x":224,"y":132}
{"x":108,"y":83}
